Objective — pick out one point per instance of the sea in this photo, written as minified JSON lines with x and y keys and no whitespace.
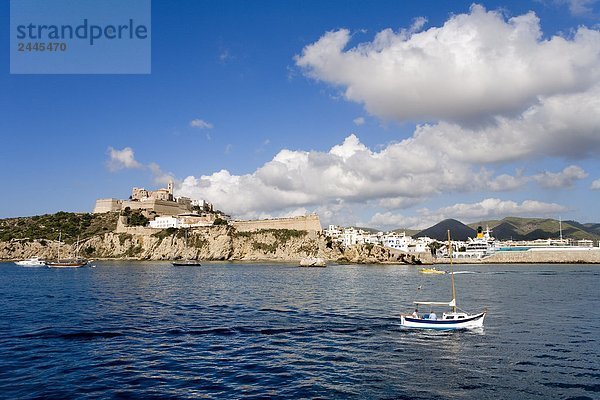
{"x":149,"y":330}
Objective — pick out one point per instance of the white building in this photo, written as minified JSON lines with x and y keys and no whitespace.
{"x":397,"y":241}
{"x":203,"y":204}
{"x":420,"y":245}
{"x":165,"y":222}
{"x":333,"y":231}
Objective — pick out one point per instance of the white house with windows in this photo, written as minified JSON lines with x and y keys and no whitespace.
{"x":165,"y":222}
{"x":397,"y":241}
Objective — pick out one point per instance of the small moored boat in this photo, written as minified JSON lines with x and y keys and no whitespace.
{"x":189,"y":263}
{"x":431,"y":271}
{"x":67,"y":264}
{"x":31,"y":262}
{"x":454,"y":319}
{"x":72,"y":263}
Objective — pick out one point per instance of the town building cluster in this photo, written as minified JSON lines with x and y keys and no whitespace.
{"x":399,"y":241}
{"x":159,"y":202}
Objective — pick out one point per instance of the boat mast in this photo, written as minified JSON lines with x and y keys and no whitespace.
{"x":59,"y":242}
{"x":77,"y":249}
{"x":560,"y":227}
{"x":452,"y":273}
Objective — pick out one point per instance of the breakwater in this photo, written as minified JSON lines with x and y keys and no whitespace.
{"x":591,"y":256}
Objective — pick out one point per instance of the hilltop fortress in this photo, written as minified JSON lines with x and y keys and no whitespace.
{"x":169,"y":211}
{"x":161,"y":202}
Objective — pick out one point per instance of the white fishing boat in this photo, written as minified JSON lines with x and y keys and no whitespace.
{"x":454,"y":319}
{"x":31,"y":262}
{"x":187,"y":263}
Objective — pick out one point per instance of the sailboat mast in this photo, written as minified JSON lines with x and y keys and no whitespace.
{"x":59,"y":242}
{"x":560,"y":228}
{"x":451,"y":273}
{"x":77,"y":249}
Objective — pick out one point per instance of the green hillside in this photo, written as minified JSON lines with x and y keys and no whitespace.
{"x":518,"y":228}
{"x":48,"y":226}
{"x":439,"y":231}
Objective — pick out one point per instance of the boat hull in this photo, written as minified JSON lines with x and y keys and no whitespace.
{"x":30,"y":264}
{"x":432,"y":271}
{"x":66,"y":264}
{"x":473,"y":321}
{"x":186,"y":263}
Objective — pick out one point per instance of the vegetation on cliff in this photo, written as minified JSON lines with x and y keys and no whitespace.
{"x":135,"y":218}
{"x":48,"y":226}
{"x":269,"y":240}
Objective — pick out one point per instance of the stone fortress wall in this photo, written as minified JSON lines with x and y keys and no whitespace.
{"x":161,"y":207}
{"x":107,"y":205}
{"x":303,"y":223}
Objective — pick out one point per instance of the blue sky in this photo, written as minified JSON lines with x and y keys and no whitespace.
{"x":389,"y":114}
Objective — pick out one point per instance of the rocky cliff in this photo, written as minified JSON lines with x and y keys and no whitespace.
{"x":212,"y":243}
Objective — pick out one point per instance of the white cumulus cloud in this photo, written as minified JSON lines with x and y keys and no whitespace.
{"x":400,"y":175}
{"x":566,"y":126}
{"x":582,"y":8}
{"x":467,"y":212}
{"x":200,"y":124}
{"x":359,"y":121}
{"x":595,"y":185}
{"x":121,"y":159}
{"x":565,"y":178}
{"x":475,"y":65}
{"x":125,"y":159}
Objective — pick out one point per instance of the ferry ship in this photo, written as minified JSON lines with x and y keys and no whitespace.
{"x":483,"y":245}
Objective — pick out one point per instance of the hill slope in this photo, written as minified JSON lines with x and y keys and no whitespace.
{"x":439,"y":231}
{"x":538,"y":228}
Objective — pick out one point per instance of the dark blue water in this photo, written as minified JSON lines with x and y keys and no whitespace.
{"x":149,"y":330}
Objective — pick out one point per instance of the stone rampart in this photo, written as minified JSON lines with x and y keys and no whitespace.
{"x":591,"y":256}
{"x":161,"y":207}
{"x":133,"y":230}
{"x":302,"y":223}
{"x":107,"y":205}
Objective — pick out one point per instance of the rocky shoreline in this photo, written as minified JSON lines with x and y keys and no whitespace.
{"x":223,"y":243}
{"x":219,"y":243}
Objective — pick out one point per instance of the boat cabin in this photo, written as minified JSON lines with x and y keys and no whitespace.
{"x":452,"y":315}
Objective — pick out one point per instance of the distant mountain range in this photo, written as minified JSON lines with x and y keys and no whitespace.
{"x":513,"y":228}
{"x":439,"y":231}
